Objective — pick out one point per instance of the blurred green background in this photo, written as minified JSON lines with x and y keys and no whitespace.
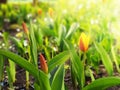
{"x":93,"y":16}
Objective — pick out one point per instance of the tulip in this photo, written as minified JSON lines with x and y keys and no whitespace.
{"x":43,"y":64}
{"x":39,"y":11}
{"x":84,"y":42}
{"x":50,"y":11}
{"x":25,"y":28}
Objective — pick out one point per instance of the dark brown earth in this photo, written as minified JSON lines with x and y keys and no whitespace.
{"x":20,"y":82}
{"x":102,"y":73}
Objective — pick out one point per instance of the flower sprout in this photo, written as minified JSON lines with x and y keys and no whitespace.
{"x":25,"y":28}
{"x":43,"y":64}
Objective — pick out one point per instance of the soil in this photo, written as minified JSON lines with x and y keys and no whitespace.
{"x":20,"y":81}
{"x":102,"y":73}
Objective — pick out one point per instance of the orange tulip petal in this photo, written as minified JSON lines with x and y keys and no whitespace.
{"x":82,"y":46}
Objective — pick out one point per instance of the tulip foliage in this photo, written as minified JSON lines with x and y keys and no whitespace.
{"x":50,"y":75}
{"x":57,"y":46}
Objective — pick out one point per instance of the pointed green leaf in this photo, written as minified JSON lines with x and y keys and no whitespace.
{"x":58,"y":60}
{"x":39,"y":36}
{"x":72,"y":29}
{"x":103,"y":83}
{"x":21,"y":62}
{"x":61,"y":34}
{"x":10,"y":81}
{"x":33,"y":45}
{"x":12,"y":70}
{"x":1,"y":67}
{"x":115,"y":59}
{"x":58,"y":80}
{"x":105,"y":58}
{"x":17,"y":43}
{"x":44,"y":81}
{"x":77,"y":64}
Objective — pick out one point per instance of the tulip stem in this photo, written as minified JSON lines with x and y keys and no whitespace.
{"x":91,"y":74}
{"x":84,"y":59}
{"x":27,"y":73}
{"x":27,"y":80}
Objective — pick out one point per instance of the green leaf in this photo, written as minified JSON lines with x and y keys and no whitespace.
{"x":33,"y":46}
{"x":91,"y":74}
{"x":39,"y":36}
{"x":36,"y":86}
{"x":105,"y":58}
{"x":72,"y":29}
{"x":47,"y":32}
{"x":61,"y":35}
{"x":12,"y":70}
{"x":18,"y":44}
{"x":73,"y":77}
{"x":1,"y":67}
{"x":44,"y":81}
{"x":10,"y":81}
{"x":21,"y":62}
{"x":103,"y":83}
{"x":58,"y":80}
{"x":58,"y":60}
{"x":6,"y":38}
{"x":76,"y":63}
{"x":115,"y":59}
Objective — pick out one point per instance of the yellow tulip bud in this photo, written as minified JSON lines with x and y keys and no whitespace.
{"x":50,"y":11}
{"x":84,"y":42}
